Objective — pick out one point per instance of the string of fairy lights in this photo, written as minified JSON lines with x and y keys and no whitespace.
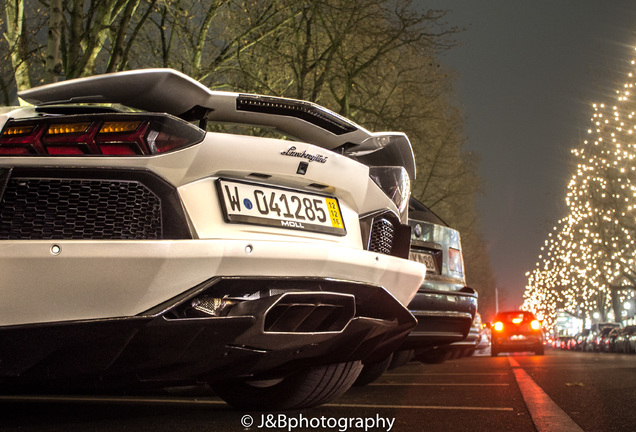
{"x":587,"y":264}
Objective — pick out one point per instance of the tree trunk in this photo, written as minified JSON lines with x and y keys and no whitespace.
{"x":53,"y":66}
{"x":16,"y":36}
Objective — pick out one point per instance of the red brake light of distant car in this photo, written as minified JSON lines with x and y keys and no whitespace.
{"x":498,"y":326}
{"x":107,"y":135}
{"x":535,"y":325}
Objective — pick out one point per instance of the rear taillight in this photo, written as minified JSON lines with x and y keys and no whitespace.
{"x":535,"y":325}
{"x":455,"y":260}
{"x":498,"y":326}
{"x":107,"y":135}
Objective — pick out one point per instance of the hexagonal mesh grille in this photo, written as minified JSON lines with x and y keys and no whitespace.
{"x":381,"y":237}
{"x":43,"y":208}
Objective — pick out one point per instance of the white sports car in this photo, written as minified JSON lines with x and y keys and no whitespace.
{"x":139,"y":250}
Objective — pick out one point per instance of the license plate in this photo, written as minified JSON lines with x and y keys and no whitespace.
{"x":284,"y":208}
{"x":424,"y":258}
{"x":518,"y":337}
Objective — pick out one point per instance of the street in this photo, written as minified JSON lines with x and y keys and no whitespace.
{"x":559,"y":391}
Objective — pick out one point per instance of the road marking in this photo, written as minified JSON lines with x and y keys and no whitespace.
{"x":186,"y":401}
{"x":114,"y":399}
{"x":442,"y":384}
{"x":546,"y":414}
{"x":421,"y":407}
{"x":447,"y":374}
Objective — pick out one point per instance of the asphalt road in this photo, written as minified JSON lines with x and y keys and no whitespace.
{"x":561,"y":391}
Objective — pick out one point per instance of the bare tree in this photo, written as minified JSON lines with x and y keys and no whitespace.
{"x":16,"y":34}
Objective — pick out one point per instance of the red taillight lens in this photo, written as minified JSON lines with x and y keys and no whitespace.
{"x":455,"y":260}
{"x":120,"y":149}
{"x":498,"y":326}
{"x":65,"y":150}
{"x":14,"y":150}
{"x":109,"y":135}
{"x":535,"y":325}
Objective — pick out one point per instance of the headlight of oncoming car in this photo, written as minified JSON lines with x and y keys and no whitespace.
{"x":395,"y":183}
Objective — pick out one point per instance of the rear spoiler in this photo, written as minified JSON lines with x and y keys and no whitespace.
{"x":172,"y":92}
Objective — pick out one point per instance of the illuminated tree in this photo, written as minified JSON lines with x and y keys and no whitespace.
{"x":588,"y":268}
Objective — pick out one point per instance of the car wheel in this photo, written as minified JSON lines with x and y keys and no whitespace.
{"x":493,"y":352}
{"x":308,"y":388}
{"x":372,"y":371}
{"x":400,"y":358}
{"x":435,"y":356}
{"x":539,"y":351}
{"x":455,"y":354}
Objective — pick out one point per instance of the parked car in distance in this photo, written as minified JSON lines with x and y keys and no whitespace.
{"x":600,"y":341}
{"x":139,"y":249}
{"x":580,"y":340}
{"x":598,"y":332}
{"x":626,"y":340}
{"x":563,"y":342}
{"x":471,"y":343}
{"x":515,"y":331}
{"x":608,"y":343}
{"x":444,"y":306}
{"x":571,"y":344}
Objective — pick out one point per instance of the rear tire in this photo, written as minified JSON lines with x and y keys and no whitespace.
{"x":435,"y":356}
{"x":314,"y":386}
{"x":400,"y":358}
{"x":493,"y":352}
{"x":372,"y":371}
{"x":540,"y":350}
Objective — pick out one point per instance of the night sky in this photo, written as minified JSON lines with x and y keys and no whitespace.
{"x":527,"y":74}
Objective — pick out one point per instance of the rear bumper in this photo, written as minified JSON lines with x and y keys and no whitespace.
{"x":274,"y":334}
{"x":87,"y":280}
{"x":443,"y":317}
{"x":512,"y":343}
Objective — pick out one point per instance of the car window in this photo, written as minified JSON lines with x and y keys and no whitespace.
{"x":515,"y":317}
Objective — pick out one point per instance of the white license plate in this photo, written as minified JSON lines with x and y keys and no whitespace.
{"x":424,"y":258}
{"x":285,"y":208}
{"x":518,"y":337}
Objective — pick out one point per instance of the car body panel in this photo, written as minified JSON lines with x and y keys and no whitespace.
{"x":202,"y":285}
{"x":166,"y":90}
{"x":444,"y":306}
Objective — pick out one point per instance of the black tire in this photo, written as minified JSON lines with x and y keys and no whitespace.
{"x":372,"y":371}
{"x":455,"y":354}
{"x":435,"y":356}
{"x":314,"y":386}
{"x":540,"y":350}
{"x":468,"y":352}
{"x":493,"y":352}
{"x":400,"y":358}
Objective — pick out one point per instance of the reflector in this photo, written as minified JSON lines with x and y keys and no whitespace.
{"x":18,"y":130}
{"x":69,"y":128}
{"x":117,"y":127}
